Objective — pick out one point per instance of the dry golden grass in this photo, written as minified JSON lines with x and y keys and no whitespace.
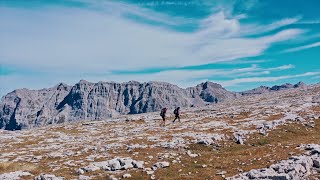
{"x":275,"y":117}
{"x":259,"y":151}
{"x":27,"y":141}
{"x":315,"y":108}
{"x":68,"y":131}
{"x":16,"y":166}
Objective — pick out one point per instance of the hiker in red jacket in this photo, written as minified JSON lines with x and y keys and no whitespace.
{"x":176,"y":112}
{"x":163,"y":115}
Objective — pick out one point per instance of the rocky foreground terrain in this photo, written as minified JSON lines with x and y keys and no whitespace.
{"x":274,"y":135}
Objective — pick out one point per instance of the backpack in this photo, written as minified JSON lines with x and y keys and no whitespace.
{"x":175,"y":111}
{"x":163,"y":111}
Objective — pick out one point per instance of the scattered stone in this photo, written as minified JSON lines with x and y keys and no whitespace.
{"x":80,"y":171}
{"x":113,"y":165}
{"x":14,"y":175}
{"x":158,"y":165}
{"x":238,"y":139}
{"x":126,"y":176}
{"x":112,"y":177}
{"x":192,"y":155}
{"x":48,"y":177}
{"x":221,"y":173}
{"x":82,"y":177}
{"x":296,"y":167}
{"x":138,"y":164}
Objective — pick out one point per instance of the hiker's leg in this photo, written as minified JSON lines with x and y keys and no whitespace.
{"x":174,"y":119}
{"x":163,"y":120}
{"x":179,"y":118}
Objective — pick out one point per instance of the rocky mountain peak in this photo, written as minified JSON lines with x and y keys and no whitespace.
{"x":209,"y":84}
{"x":299,"y":84}
{"x":266,"y":89}
{"x":93,"y":101}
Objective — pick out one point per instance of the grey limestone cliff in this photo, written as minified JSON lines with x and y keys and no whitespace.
{"x":265,"y":89}
{"x":25,"y":108}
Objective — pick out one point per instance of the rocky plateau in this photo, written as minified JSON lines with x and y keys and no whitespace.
{"x":273,"y":135}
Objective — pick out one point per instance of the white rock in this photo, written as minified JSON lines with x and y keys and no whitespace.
{"x":192,"y":155}
{"x":138,"y":164}
{"x":80,"y":171}
{"x":163,"y":164}
{"x":82,"y":177}
{"x":112,"y":177}
{"x":91,"y":168}
{"x":150,"y":172}
{"x":14,"y":175}
{"x":48,"y":177}
{"x":114,"y":164}
{"x":126,"y":176}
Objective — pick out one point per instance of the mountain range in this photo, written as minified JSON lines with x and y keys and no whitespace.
{"x":266,"y":89}
{"x":24,"y":108}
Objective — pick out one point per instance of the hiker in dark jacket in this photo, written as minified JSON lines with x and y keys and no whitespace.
{"x":176,"y":112}
{"x":163,"y":115}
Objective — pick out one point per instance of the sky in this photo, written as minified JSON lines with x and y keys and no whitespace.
{"x":240,"y":44}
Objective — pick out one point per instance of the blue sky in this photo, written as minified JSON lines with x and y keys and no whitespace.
{"x":240,"y":44}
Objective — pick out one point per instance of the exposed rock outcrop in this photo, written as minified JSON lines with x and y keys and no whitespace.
{"x":297,"y":167}
{"x":266,"y":89}
{"x":25,"y":108}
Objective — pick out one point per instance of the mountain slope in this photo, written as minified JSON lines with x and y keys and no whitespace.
{"x":265,"y":89}
{"x":25,"y":108}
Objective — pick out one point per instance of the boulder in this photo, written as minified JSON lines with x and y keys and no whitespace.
{"x":48,"y":177}
{"x":158,"y":165}
{"x":14,"y":175}
{"x":126,"y":176}
{"x":138,"y":164}
{"x":191,"y":154}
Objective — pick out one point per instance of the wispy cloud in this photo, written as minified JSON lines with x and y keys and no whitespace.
{"x":309,"y":22}
{"x":105,"y":36}
{"x":284,"y":67}
{"x":102,"y":41}
{"x":264,"y":79}
{"x":186,"y":78}
{"x":253,"y":29}
{"x":300,"y":48}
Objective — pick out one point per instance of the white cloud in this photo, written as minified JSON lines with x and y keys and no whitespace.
{"x":68,"y":44}
{"x":284,"y":67}
{"x":259,"y":29}
{"x":255,"y":73}
{"x":187,"y":78}
{"x":308,"y":22}
{"x":317,"y":44}
{"x":86,"y":40}
{"x":264,"y":79}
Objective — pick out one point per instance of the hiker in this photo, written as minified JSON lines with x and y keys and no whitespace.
{"x":163,"y":115}
{"x":176,"y":112}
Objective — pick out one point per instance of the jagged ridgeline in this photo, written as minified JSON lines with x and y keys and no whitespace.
{"x":25,"y":108}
